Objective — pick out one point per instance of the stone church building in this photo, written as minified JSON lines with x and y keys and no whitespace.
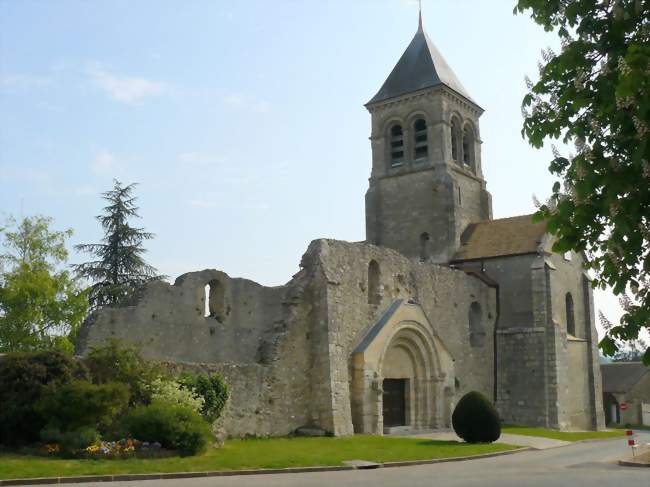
{"x":439,"y":300}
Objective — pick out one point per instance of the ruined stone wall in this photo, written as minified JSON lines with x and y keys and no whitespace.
{"x":444,"y":294}
{"x":169,"y":322}
{"x":261,"y":339}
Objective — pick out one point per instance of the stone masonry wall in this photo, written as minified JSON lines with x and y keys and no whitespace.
{"x":444,"y":294}
{"x":546,"y":377}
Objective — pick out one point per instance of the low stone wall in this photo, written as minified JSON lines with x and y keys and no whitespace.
{"x":256,"y":407}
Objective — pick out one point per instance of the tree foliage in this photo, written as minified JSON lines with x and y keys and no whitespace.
{"x":24,"y":377}
{"x":41,"y":304}
{"x":80,"y":404}
{"x":120,"y":268}
{"x":595,"y":93}
{"x":117,"y":362}
{"x":212,"y":389}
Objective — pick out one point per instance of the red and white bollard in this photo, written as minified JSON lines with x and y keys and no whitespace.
{"x":631,"y":442}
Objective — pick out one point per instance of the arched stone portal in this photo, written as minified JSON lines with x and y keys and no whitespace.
{"x":401,"y":371}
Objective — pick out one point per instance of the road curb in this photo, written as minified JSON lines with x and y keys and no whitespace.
{"x":231,"y":473}
{"x":630,"y":463}
{"x":413,"y":463}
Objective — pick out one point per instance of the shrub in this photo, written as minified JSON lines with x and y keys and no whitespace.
{"x":212,"y":389}
{"x":174,"y":426}
{"x":114,"y":362}
{"x":70,"y":441}
{"x":172,"y":392}
{"x":475,"y":420}
{"x":23,"y":378}
{"x":81,"y":404}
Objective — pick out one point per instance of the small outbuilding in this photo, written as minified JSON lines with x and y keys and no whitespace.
{"x":626,"y":393}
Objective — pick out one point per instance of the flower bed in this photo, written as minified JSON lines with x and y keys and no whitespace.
{"x":112,"y":450}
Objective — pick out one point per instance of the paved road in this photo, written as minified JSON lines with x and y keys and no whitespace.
{"x":589,"y":464}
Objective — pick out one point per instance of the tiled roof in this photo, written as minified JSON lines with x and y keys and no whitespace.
{"x":622,"y":376}
{"x":495,"y":238}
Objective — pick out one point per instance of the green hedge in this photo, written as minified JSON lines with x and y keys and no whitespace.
{"x":80,"y":404}
{"x":24,"y":378}
{"x":175,"y":427}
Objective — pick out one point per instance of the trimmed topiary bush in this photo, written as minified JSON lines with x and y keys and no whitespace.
{"x":23,"y":380}
{"x":475,"y":419}
{"x":174,"y":426}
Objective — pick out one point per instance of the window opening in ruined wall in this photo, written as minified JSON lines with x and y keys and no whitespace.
{"x":476,"y":332}
{"x":421,"y":144}
{"x":570,"y":317}
{"x":214,"y":300}
{"x":374,"y":283}
{"x":396,"y":146}
{"x":425,"y":247}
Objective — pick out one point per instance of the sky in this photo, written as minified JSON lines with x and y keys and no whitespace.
{"x":242,"y":122}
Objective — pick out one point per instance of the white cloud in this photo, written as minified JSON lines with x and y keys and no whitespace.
{"x":247,"y":103}
{"x":411,"y":3}
{"x":200,"y":159}
{"x":203,"y":203}
{"x":106,"y":164}
{"x":212,"y":200}
{"x":86,"y":191}
{"x":19,"y":173}
{"x":127,"y":89}
{"x":24,"y":81}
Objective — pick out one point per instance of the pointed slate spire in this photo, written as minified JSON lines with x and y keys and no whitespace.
{"x":421,"y":66}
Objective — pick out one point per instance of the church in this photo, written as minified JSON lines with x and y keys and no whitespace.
{"x":388,"y":334}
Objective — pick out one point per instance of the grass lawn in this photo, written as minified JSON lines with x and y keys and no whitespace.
{"x":561,"y":435}
{"x":630,"y":427}
{"x":252,"y":454}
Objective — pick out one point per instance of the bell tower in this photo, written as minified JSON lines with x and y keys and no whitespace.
{"x":426,"y":183}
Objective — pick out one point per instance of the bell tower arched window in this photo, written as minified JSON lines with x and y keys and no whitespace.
{"x":396,"y":146}
{"x":455,"y":142}
{"x":468,"y":147}
{"x":421,"y":144}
